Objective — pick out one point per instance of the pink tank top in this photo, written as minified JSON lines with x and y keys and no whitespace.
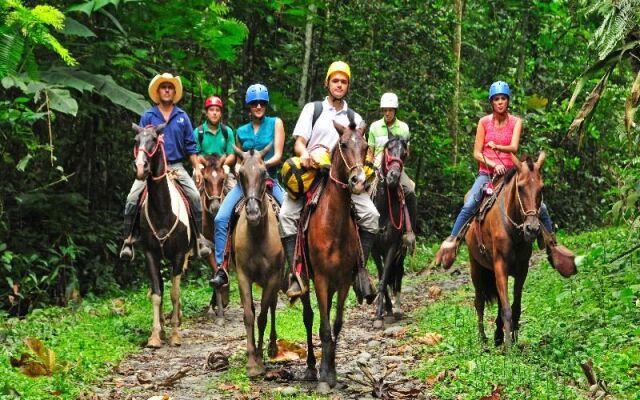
{"x":501,"y":136}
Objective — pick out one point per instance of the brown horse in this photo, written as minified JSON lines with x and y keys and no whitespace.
{"x":164,"y":228}
{"x":388,"y":251}
{"x":258,"y":255}
{"x":333,"y":249}
{"x":503,"y":246}
{"x":211,"y":196}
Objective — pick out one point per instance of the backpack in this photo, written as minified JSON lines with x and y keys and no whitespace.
{"x":201,"y":133}
{"x":317,"y":110}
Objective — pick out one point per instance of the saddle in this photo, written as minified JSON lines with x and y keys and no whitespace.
{"x":486,"y":204}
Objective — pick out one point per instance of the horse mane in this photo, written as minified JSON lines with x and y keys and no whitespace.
{"x":512,"y":171}
{"x":212,"y":160}
{"x":352,"y":126}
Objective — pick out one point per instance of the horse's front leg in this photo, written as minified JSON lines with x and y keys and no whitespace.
{"x":383,"y":295}
{"x":518,"y":284}
{"x":273,"y":336}
{"x":175,"y":339}
{"x":502,"y":277}
{"x":477,"y":272}
{"x":269,"y":291}
{"x":323,"y":296}
{"x":155,"y":280}
{"x":254,"y":368}
{"x":311,"y":374}
{"x":343,"y":292}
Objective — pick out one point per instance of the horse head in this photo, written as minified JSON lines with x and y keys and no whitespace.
{"x":147,"y":143}
{"x":352,"y":150}
{"x":214,"y":179}
{"x":395,"y":154}
{"x":528,"y":193}
{"x":252,"y":177}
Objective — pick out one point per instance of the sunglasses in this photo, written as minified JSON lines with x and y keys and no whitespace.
{"x":260,"y":103}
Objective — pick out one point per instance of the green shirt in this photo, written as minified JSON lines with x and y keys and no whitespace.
{"x":214,"y":143}
{"x":378,"y":136}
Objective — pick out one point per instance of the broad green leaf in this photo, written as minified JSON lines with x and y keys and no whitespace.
{"x":22,"y":164}
{"x":74,"y":28}
{"x":107,"y":87}
{"x":113,"y":19}
{"x":86,"y":7}
{"x":61,"y":100}
{"x":66,"y":77}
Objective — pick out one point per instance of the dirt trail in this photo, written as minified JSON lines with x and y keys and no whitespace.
{"x":138,"y":376}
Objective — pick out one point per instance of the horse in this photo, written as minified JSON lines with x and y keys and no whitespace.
{"x":388,"y":251}
{"x":211,"y":196}
{"x":258,"y":255}
{"x":501,"y":246}
{"x":164,"y":228}
{"x":333,"y":249}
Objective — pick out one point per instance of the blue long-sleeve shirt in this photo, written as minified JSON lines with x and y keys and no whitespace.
{"x":178,"y":134}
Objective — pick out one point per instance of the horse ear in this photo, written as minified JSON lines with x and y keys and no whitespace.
{"x":339,"y":128}
{"x":516,"y":161}
{"x":239,"y":152}
{"x":266,"y":150}
{"x":160,"y":127}
{"x":203,"y":160}
{"x":136,"y":127}
{"x":540,"y":161}
{"x":222,"y":160}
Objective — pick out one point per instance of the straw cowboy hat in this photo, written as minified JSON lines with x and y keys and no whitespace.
{"x":160,"y":79}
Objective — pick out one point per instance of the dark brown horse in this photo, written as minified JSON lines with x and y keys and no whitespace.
{"x":258,"y":255}
{"x":503,"y":246}
{"x":388,"y":251}
{"x":211,"y":196}
{"x":164,"y":228}
{"x":333,"y":249}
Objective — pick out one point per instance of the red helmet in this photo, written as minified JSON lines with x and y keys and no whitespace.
{"x":212,"y":101}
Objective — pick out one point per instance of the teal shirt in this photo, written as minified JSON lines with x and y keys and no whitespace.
{"x":214,"y":143}
{"x":259,"y":140}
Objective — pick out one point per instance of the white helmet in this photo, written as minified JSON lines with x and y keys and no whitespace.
{"x":389,"y":100}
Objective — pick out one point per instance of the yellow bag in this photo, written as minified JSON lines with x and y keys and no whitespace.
{"x":297,"y":180}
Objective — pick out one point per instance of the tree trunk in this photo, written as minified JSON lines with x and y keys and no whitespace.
{"x":524,"y":31}
{"x":308,"y":42}
{"x":455,"y":101}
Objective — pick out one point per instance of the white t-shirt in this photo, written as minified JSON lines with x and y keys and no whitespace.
{"x":323,"y":132}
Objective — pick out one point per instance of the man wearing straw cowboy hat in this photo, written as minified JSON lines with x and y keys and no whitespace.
{"x":166,"y":90}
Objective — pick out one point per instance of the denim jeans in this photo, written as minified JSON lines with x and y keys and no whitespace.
{"x":470,"y":207}
{"x":221,"y":222}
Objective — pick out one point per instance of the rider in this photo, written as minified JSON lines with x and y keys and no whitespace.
{"x":256,"y":135}
{"x":309,"y":135}
{"x":497,"y":138}
{"x":166,"y":90}
{"x":379,"y":133}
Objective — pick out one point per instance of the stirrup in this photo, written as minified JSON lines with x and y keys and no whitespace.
{"x":220,"y":279}
{"x":127,"y":252}
{"x":296,"y":287}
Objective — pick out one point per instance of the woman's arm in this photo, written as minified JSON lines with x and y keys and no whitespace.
{"x":278,"y":144}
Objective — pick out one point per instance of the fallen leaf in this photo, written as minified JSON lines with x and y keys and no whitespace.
{"x":430,"y":338}
{"x":496,"y":393}
{"x":279,"y":374}
{"x":228,"y":386}
{"x":163,"y":397}
{"x":435,"y":291}
{"x":288,"y":351}
{"x":44,"y":365}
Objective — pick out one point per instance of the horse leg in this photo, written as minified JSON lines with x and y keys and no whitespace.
{"x":382,"y":290}
{"x":268,"y":293}
{"x":500,"y":269}
{"x":175,"y":340}
{"x":219,"y":307}
{"x":323,"y":296}
{"x":253,"y":366}
{"x":479,"y":302}
{"x":517,"y":300}
{"x":311,"y":374}
{"x":273,"y":336}
{"x":337,"y":327}
{"x":498,"y":336}
{"x":155,"y":278}
{"x":397,"y":304}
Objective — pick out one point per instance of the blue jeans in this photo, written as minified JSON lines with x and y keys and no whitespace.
{"x":470,"y":207}
{"x":221,"y":222}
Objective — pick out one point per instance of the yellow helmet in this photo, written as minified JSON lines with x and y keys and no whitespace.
{"x":338,"y":66}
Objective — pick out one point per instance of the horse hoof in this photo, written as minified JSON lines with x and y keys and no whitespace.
{"x":378,"y":324}
{"x":255,"y":371}
{"x":175,"y":341}
{"x":323,"y":388}
{"x":311,"y":374}
{"x":211,"y":314}
{"x":220,"y":321}
{"x":154,"y":343}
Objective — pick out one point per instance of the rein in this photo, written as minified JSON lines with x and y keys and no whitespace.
{"x":159,"y":145}
{"x":346,"y":164}
{"x":527,"y":213}
{"x":389,"y":160}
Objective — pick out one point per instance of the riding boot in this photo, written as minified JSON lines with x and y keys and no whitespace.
{"x":127,"y":253}
{"x":447,"y":253}
{"x":409,"y":238}
{"x":296,"y":284}
{"x":560,"y":258}
{"x":220,"y":278}
{"x":362,"y":284}
{"x":203,"y":245}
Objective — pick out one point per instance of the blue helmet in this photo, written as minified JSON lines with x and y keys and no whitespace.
{"x":499,"y":87}
{"x":256,"y":92}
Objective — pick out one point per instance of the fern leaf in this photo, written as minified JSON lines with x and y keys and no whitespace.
{"x":11,"y":49}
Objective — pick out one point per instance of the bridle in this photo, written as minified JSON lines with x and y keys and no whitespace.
{"x":524,"y":213}
{"x":389,"y":160}
{"x":343,"y":185}
{"x":150,"y":154}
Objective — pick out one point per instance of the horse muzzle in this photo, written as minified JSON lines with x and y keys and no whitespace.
{"x":393,"y":177}
{"x":213,"y":207}
{"x":531,"y":228}
{"x":252,"y":208}
{"x":142,"y":166}
{"x":357,"y":180}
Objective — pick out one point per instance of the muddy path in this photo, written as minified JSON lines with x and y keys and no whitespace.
{"x":184,"y":373}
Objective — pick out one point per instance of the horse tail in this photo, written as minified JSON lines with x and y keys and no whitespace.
{"x":487,"y":285}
